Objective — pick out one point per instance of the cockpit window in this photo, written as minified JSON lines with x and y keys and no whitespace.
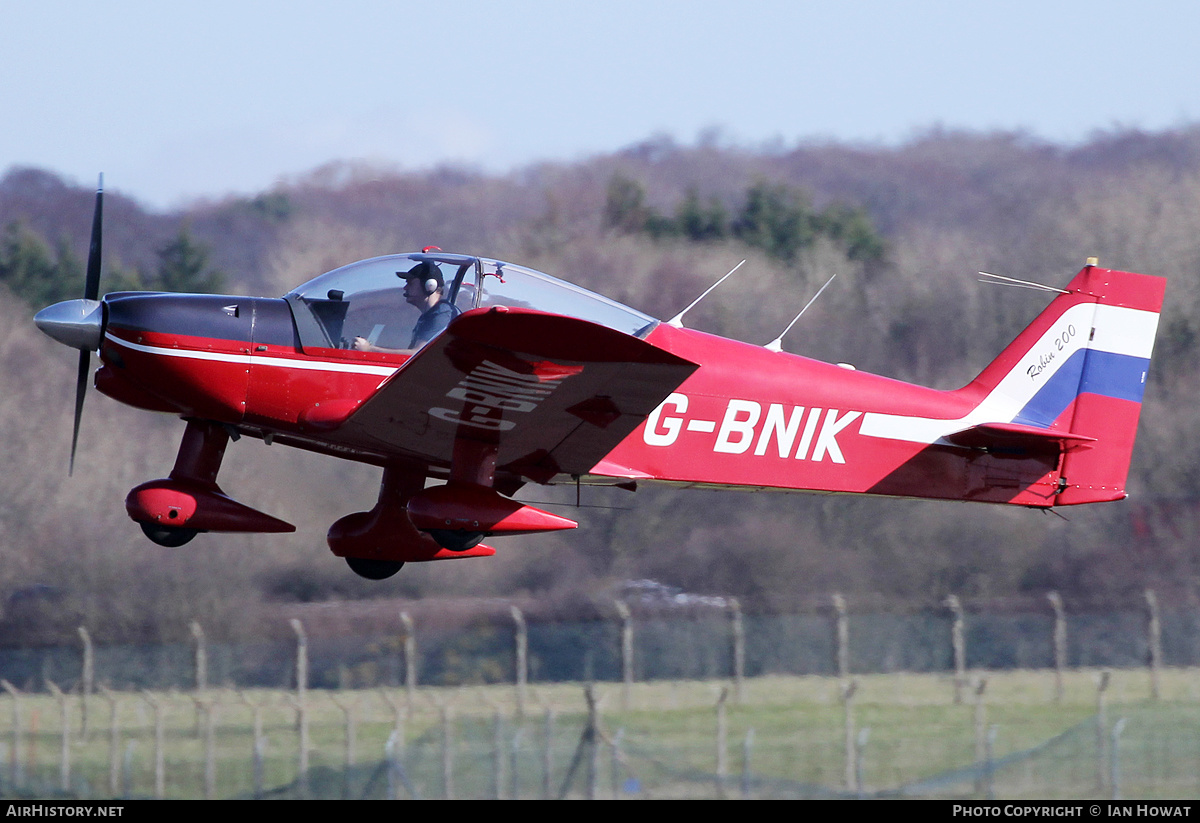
{"x":503,"y":284}
{"x":366,"y":299}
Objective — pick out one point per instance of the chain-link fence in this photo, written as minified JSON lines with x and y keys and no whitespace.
{"x":645,"y":644}
{"x":703,"y":701}
{"x":786,"y":737}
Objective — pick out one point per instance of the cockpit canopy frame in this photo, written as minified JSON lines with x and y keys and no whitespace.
{"x":366,"y":298}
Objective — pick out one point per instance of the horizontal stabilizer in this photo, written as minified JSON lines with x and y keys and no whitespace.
{"x":1018,"y":438}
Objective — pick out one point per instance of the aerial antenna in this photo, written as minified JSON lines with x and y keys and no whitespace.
{"x":777,"y":343}
{"x":677,"y":320}
{"x":1001,"y":280}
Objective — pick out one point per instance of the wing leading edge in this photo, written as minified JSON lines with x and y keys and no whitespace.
{"x":552,"y":394}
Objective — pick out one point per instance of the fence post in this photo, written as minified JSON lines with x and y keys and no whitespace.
{"x":301,"y":659}
{"x":860,"y":749}
{"x":841,"y":637}
{"x":259,"y":751}
{"x":18,"y":773}
{"x":410,"y":657}
{"x":395,"y":769}
{"x":1154,"y":637}
{"x":497,"y":753}
{"x":1115,"y":779}
{"x":617,"y":741}
{"x":722,"y":735}
{"x":1060,"y":643}
{"x":393,"y":761}
{"x":127,"y":767}
{"x":1102,"y":761}
{"x":980,"y":731}
{"x":848,"y":690}
{"x":64,"y":714}
{"x":301,"y":707}
{"x":160,"y":772}
{"x":350,"y":735}
{"x":747,"y":749}
{"x":301,"y":703}
{"x":522,"y":658}
{"x":447,"y":753}
{"x":201,"y":656}
{"x":260,"y":755}
{"x":87,"y":684}
{"x":959,"y":643}
{"x":114,"y":744}
{"x":990,"y":768}
{"x":210,"y":750}
{"x":626,"y":652}
{"x":514,"y":760}
{"x":594,"y":735}
{"x":739,"y":649}
{"x":548,"y":754}
{"x":398,"y":717}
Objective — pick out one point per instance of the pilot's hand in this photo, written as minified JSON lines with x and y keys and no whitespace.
{"x":362,"y":344}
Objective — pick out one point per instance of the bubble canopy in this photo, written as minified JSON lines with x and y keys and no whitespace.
{"x":366,"y":299}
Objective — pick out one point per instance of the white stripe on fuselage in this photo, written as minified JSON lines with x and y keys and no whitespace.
{"x":247,"y":359}
{"x":1118,"y":330}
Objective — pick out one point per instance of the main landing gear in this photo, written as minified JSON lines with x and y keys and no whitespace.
{"x":456,"y":540}
{"x":377,"y":544}
{"x":374,"y":569}
{"x":170,"y":536}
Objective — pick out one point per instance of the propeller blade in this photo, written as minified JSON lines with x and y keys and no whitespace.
{"x":91,"y":291}
{"x":91,"y":288}
{"x":81,"y":381}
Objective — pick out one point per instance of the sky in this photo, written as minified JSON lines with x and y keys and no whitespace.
{"x":177,"y":102}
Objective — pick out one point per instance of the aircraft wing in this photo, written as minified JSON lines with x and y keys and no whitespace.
{"x":553,"y":394}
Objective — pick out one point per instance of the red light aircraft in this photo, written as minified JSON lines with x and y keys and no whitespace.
{"x":537,"y":380}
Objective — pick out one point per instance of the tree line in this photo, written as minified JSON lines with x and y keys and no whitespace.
{"x":41,"y":273}
{"x":651,"y":227}
{"x":774,"y":217}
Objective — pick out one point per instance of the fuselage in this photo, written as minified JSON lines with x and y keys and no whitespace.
{"x":738,"y":415}
{"x":748,"y":417}
{"x":238,"y":361}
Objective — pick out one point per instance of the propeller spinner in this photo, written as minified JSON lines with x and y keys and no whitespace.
{"x":80,"y":323}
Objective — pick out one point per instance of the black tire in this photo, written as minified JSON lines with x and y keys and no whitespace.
{"x":456,"y":541}
{"x":374,"y":569}
{"x":170,"y":536}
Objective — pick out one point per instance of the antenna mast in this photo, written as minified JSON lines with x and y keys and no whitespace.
{"x":677,"y":320}
{"x":1001,"y":280}
{"x":777,"y":343}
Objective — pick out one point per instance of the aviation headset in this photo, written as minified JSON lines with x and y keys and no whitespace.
{"x":431,"y":276}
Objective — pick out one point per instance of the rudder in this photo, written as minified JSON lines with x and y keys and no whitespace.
{"x":1112,"y":381}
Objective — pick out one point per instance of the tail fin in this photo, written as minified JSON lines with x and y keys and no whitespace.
{"x":1078,"y":372}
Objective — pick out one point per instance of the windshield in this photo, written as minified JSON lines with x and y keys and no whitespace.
{"x":367,"y":299}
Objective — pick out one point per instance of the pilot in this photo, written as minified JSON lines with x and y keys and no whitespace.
{"x":424,"y":289}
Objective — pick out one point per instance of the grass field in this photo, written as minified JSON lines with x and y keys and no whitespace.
{"x":785,"y":737}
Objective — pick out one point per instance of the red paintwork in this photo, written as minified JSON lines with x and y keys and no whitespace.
{"x":386,"y":532}
{"x":190,"y":498}
{"x":756,"y":377}
{"x":511,"y":395}
{"x":892,"y":467}
{"x":462,"y":507}
{"x":186,"y":504}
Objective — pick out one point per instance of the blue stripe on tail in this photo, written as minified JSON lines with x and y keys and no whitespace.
{"x":1096,"y":372}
